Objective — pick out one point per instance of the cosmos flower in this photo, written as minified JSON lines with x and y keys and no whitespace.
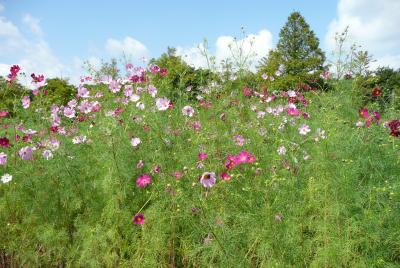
{"x":114,"y":86}
{"x":376,"y":92}
{"x":152,"y":90}
{"x":135,"y":142}
{"x":6,"y":178}
{"x":69,"y":112}
{"x":202,"y":156}
{"x":188,"y":111}
{"x":208,"y":179}
{"x":3,"y":159}
{"x":143,"y":180}
{"x":304,"y":129}
{"x":4,"y":113}
{"x":79,"y":139}
{"x":5,"y":142}
{"x":239,"y":140}
{"x":162,"y":104}
{"x":26,"y":153}
{"x":225,"y":176}
{"x":293,"y":112}
{"x":47,"y":154}
{"x":138,"y":219}
{"x":281,"y":150}
{"x":26,"y":102}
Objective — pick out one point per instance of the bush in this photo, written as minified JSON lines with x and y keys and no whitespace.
{"x":59,"y":91}
{"x":382,"y":88}
{"x":10,"y":95}
{"x":180,"y":76}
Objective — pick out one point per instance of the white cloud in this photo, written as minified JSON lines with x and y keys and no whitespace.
{"x":32,"y":23}
{"x":373,"y":24}
{"x":128,"y":46}
{"x":258,"y":45}
{"x":33,"y":56}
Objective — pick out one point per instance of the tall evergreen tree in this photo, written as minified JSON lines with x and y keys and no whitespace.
{"x":297,"y":53}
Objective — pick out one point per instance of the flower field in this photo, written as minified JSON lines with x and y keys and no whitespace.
{"x":122,"y":176}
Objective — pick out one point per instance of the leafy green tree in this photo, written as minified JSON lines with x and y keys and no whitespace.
{"x":58,"y":91}
{"x":297,"y":54}
{"x":180,"y":76}
{"x":11,"y":95}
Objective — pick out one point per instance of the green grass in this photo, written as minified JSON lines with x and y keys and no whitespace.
{"x":340,"y":208}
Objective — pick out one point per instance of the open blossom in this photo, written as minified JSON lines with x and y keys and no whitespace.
{"x":135,"y":142}
{"x":188,"y":111}
{"x":26,"y":153}
{"x":140,"y":105}
{"x":114,"y":86}
{"x":162,"y":104}
{"x":3,"y":159}
{"x":47,"y":154}
{"x":82,"y":92}
{"x":143,"y":180}
{"x":79,"y":139}
{"x":138,"y":219}
{"x":4,"y":113}
{"x":152,"y":90}
{"x":26,"y":102}
{"x":225,"y":176}
{"x":6,"y":178}
{"x":5,"y":142}
{"x":304,"y":129}
{"x":202,"y":156}
{"x":134,"y":98}
{"x":293,"y":112}
{"x":281,"y":150}
{"x":85,"y":107}
{"x":239,"y":140}
{"x":68,"y":112}
{"x":128,"y":91}
{"x":208,"y":179}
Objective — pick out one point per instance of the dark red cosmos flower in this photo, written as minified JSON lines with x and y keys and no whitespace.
{"x":171,"y":105}
{"x":138,"y":219}
{"x":54,"y":129}
{"x":376,"y":92}
{"x":13,"y":73}
{"x":163,"y":72}
{"x":4,"y":142}
{"x":394,"y":126}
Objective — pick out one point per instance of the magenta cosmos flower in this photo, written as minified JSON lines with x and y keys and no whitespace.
{"x":208,"y":179}
{"x":225,"y":176}
{"x":143,"y":180}
{"x":202,"y":156}
{"x":138,"y":219}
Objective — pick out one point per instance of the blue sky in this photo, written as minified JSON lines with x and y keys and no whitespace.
{"x":69,"y":32}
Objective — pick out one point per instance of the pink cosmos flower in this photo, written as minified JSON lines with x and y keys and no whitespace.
{"x":208,"y":179}
{"x":138,"y":219}
{"x":152,"y":90}
{"x":197,"y":126}
{"x":139,"y":164}
{"x":202,"y":156}
{"x":82,"y":92}
{"x":162,"y":104}
{"x":3,"y":159}
{"x":264,"y":76}
{"x":304,"y":129}
{"x":188,"y":111}
{"x":143,"y":180}
{"x":26,"y":153}
{"x":135,"y":142}
{"x":4,"y":113}
{"x":239,"y":140}
{"x":128,"y":91}
{"x":69,"y":112}
{"x":114,"y":86}
{"x":26,"y":102}
{"x":156,"y":169}
{"x":154,"y":69}
{"x":178,"y":175}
